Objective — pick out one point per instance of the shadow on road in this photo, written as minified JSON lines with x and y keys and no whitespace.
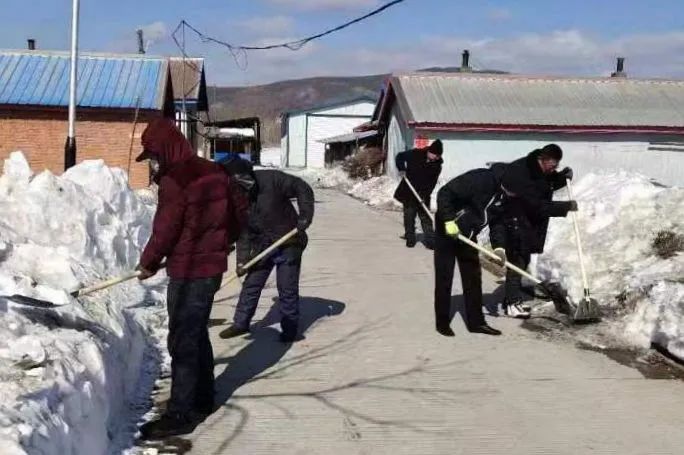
{"x":490,"y":303}
{"x":265,"y":349}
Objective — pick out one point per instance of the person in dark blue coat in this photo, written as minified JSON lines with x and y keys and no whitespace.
{"x":271,"y":215}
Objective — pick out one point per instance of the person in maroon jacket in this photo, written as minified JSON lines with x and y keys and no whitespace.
{"x":197,"y":219}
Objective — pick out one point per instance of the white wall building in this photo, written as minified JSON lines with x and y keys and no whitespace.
{"x":303,"y":130}
{"x":604,"y":123}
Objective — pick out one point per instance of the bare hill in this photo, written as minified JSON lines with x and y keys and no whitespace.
{"x":269,"y":101}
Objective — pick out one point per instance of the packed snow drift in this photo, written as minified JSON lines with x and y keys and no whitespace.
{"x":640,"y":287}
{"x":74,"y":379}
{"x":620,"y":216}
{"x":376,"y":191}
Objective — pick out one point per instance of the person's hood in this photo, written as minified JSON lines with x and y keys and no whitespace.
{"x":242,"y":172}
{"x":162,"y":141}
{"x":533,"y":163}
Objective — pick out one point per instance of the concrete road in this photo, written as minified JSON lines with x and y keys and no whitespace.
{"x":373,"y":377}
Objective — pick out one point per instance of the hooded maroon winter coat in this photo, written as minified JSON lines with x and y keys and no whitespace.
{"x":197,"y":217}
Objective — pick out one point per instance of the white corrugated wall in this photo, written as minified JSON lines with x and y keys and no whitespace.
{"x":325,"y":127}
{"x":296,"y":156}
{"x":399,"y":138}
{"x":301,"y":146}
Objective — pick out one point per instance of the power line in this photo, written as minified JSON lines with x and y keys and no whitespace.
{"x":292,"y":45}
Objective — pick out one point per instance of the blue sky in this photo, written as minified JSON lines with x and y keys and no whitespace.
{"x":526,"y":36}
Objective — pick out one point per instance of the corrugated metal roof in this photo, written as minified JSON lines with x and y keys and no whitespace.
{"x":470,"y":99}
{"x":349,"y":137}
{"x":188,"y":76}
{"x":108,"y":81}
{"x":331,"y":105}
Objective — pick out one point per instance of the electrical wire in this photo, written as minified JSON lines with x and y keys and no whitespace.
{"x":292,"y":45}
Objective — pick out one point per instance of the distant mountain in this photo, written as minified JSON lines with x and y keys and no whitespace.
{"x":268,"y":101}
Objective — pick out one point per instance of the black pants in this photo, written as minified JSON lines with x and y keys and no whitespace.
{"x":447,"y":252}
{"x":518,"y":253}
{"x":288,"y":265}
{"x":412,"y":209}
{"x":192,"y":359}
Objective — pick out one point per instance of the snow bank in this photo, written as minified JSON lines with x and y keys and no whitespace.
{"x":271,"y":157}
{"x":620,"y":215}
{"x":376,"y":191}
{"x":70,"y":377}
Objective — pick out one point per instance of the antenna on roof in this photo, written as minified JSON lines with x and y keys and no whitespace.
{"x":620,"y":69}
{"x":465,"y":63}
{"x":141,"y":41}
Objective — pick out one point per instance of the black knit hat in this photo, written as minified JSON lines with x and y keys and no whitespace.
{"x":436,"y":147}
{"x":551,"y":151}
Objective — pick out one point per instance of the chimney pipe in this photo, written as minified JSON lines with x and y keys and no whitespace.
{"x":620,"y":70}
{"x":141,"y":42}
{"x":465,"y":64}
{"x":31,"y":44}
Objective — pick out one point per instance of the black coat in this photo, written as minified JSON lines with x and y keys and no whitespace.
{"x":472,"y":199}
{"x":272,"y":215}
{"x":530,"y":204}
{"x":422,"y":174}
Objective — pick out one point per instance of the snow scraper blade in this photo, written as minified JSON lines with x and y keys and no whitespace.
{"x":588,"y":311}
{"x":30,"y":301}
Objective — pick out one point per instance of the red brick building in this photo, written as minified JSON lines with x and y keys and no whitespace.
{"x":34,"y":88}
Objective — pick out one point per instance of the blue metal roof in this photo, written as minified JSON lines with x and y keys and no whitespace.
{"x":106,"y":81}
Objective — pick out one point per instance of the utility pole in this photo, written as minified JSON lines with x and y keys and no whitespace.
{"x":70,"y":146}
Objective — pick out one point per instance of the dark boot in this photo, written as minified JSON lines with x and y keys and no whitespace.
{"x":204,"y":406}
{"x":444,"y":329}
{"x":484,"y":329}
{"x":410,"y":240}
{"x":288,"y":337}
{"x":168,"y":425}
{"x":233,"y":331}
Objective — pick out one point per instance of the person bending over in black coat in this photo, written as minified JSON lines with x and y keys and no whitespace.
{"x":529,"y":184}
{"x":465,"y":206}
{"x":421,"y":167}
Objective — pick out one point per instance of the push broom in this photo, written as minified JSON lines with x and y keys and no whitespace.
{"x":588,"y":310}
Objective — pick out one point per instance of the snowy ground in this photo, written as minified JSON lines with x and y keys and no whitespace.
{"x":74,"y":380}
{"x":620,"y":215}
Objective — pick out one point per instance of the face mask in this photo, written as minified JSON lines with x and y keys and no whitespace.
{"x":154,"y":166}
{"x":246,"y":182}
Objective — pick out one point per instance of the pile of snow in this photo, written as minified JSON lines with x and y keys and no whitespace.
{"x":72,"y":379}
{"x":271,"y":157}
{"x":376,"y":191}
{"x":620,"y":215}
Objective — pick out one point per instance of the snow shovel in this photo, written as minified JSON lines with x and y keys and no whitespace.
{"x":553,"y":290}
{"x":30,"y":301}
{"x":256,"y":259}
{"x":588,"y":310}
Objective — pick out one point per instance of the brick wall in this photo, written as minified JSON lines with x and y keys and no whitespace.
{"x":100,"y":134}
